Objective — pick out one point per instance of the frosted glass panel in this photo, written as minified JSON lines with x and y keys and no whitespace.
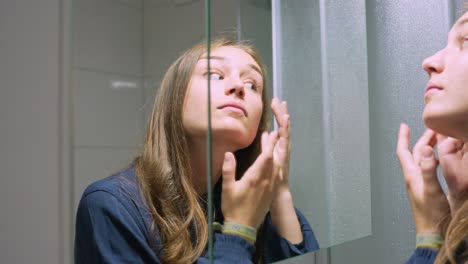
{"x":400,"y":35}
{"x":321,"y":70}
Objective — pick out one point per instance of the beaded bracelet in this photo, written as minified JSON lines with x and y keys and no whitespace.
{"x":243,"y":231}
{"x":433,"y":241}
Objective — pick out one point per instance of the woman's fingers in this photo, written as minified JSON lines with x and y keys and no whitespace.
{"x":284,"y":130}
{"x":268,"y":143}
{"x":428,"y":165}
{"x":427,"y":139}
{"x":422,"y":156}
{"x":440,"y":138}
{"x":275,"y":106}
{"x":448,"y":145}
{"x":403,"y":152}
{"x":280,"y":110}
{"x":247,"y":200}
{"x":229,"y":170}
{"x":403,"y":139}
{"x":419,"y":167}
{"x":271,"y":142}
{"x":263,"y":164}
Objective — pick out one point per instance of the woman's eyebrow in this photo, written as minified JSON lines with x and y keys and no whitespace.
{"x":255,"y":68}
{"x":461,"y":22}
{"x":456,"y":29}
{"x":213,"y":58}
{"x":252,"y":66}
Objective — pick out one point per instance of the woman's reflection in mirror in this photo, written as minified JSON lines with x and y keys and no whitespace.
{"x":155,"y":210}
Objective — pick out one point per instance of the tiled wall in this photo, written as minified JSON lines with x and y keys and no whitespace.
{"x":107,"y":119}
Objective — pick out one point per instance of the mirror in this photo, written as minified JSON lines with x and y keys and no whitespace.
{"x":319,"y":66}
{"x":122,"y":48}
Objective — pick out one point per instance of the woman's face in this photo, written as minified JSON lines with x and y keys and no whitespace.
{"x":236,"y":98}
{"x":446,"y":95}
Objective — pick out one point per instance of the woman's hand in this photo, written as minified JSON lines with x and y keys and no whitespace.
{"x":282,"y":211}
{"x":453,"y":156}
{"x":247,"y":200}
{"x":283,"y":147}
{"x":427,"y":199}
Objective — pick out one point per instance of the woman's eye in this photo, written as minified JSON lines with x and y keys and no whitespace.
{"x":465,"y":42}
{"x":216,"y":76}
{"x":251,"y":86}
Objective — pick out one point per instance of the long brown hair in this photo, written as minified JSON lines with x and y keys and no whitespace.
{"x":163,"y":168}
{"x":455,"y":231}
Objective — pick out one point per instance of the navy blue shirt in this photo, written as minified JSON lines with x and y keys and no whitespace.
{"x":113,"y":226}
{"x":423,"y":256}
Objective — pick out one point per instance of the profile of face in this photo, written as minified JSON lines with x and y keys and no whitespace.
{"x":446,"y":94}
{"x":236,"y":98}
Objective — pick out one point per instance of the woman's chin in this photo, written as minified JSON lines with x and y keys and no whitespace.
{"x":434,"y":121}
{"x":236,"y":138}
{"x":445,"y":123}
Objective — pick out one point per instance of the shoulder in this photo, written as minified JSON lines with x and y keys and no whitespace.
{"x":115,"y":194}
{"x":123,"y":181}
{"x":113,"y":224}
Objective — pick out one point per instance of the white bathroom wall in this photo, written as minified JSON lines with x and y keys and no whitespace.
{"x":171,"y":28}
{"x":30,"y":178}
{"x":107,"y":120}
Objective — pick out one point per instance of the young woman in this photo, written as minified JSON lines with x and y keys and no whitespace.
{"x":441,"y":221}
{"x":155,"y":211}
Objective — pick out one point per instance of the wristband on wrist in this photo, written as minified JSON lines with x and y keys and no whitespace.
{"x":433,"y":241}
{"x":243,"y":231}
{"x":217,"y":227}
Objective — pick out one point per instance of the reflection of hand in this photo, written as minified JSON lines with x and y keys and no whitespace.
{"x":282,"y":148}
{"x":283,"y":214}
{"x":247,"y":200}
{"x":426,"y":196}
{"x":453,"y":156}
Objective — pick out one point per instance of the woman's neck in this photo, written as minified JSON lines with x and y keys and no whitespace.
{"x":199,"y":163}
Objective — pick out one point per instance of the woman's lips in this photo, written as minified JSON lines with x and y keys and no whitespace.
{"x":235,"y":107}
{"x":431,"y":89}
{"x":432,"y":86}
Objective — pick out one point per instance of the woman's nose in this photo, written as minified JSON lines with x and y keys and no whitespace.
{"x":235,"y":86}
{"x":434,"y":63}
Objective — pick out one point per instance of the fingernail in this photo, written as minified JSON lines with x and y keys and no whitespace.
{"x":427,"y":153}
{"x":227,"y":157}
